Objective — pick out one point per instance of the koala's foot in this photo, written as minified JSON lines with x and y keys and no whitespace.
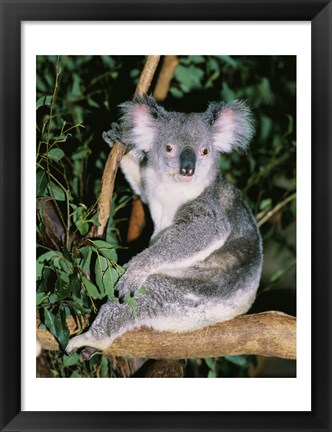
{"x":87,"y":340}
{"x":89,"y":352}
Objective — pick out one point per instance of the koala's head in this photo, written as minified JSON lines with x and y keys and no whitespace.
{"x":185,"y":147}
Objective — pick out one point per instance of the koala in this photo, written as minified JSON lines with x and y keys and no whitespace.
{"x":204,"y":261}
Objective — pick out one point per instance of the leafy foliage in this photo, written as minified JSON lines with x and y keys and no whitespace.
{"x":76,"y":101}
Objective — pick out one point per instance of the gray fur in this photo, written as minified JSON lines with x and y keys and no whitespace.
{"x":204,"y":262}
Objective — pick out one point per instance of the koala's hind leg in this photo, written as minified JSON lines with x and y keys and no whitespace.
{"x":113,"y":320}
{"x":163,"y":299}
{"x":170,"y":304}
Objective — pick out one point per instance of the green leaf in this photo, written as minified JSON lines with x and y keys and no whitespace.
{"x":276,"y":276}
{"x":189,"y":78}
{"x":105,"y":249}
{"x":241,"y":361}
{"x":110,"y":278}
{"x":100,"y":269}
{"x":44,"y":100}
{"x":290,"y":126}
{"x":56,"y":154}
{"x":196,"y":59}
{"x":62,"y":287}
{"x":61,"y":327}
{"x":50,"y":321}
{"x":92,"y":103}
{"x":63,"y":276}
{"x":104,"y":367}
{"x":71,"y":360}
{"x":213,"y":65}
{"x":53,"y":298}
{"x":91,"y":288}
{"x":86,"y":253}
{"x":293,"y":207}
{"x":57,"y":192}
{"x":108,"y":61}
{"x":40,"y":263}
{"x":81,"y":153}
{"x":265,"y":204}
{"x":229,"y":60}
{"x":75,"y":284}
{"x":227,"y":93}
{"x":41,"y":180}
{"x":141,"y":292}
{"x":265,"y":92}
{"x":134,"y":73}
{"x":210,"y":362}
{"x":61,"y":138}
{"x":76,"y":88}
{"x":79,"y":218}
{"x":177,"y":93}
{"x":46,"y":273}
{"x":266,"y":125}
{"x":131,"y":302}
{"x":40,"y":297}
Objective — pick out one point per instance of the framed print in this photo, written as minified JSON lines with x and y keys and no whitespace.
{"x":80,"y":60}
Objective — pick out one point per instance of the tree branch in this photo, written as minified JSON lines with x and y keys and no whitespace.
{"x":271,"y":334}
{"x":265,"y":216}
{"x":165,"y":77}
{"x":116,"y":154}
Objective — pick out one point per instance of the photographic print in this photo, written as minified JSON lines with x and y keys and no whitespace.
{"x":168,"y":242}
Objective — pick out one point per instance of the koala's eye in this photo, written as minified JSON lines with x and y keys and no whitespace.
{"x":168,"y":148}
{"x":204,"y":151}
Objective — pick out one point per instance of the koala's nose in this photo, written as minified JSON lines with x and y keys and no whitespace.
{"x":187,"y":162}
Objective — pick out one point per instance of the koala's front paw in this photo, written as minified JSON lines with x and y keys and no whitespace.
{"x":113,"y":135}
{"x":129,"y":283}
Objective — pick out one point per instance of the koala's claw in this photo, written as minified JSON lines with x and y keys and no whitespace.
{"x":113,"y":135}
{"x":128,"y":285}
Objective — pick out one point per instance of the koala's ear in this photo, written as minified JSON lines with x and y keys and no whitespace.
{"x":139,"y":122}
{"x":232,"y":125}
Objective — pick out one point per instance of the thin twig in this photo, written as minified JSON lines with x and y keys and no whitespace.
{"x":275,"y":209}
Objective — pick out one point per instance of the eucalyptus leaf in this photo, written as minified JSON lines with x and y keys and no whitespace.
{"x":110,"y":278}
{"x":91,"y":288}
{"x":61,"y":327}
{"x":40,"y":297}
{"x":50,"y":321}
{"x":41,"y":183}
{"x":44,"y":100}
{"x":86,"y":253}
{"x":40,"y":263}
{"x":56,"y":191}
{"x":241,"y":361}
{"x":100,"y":269}
{"x":104,"y":367}
{"x":71,"y":360}
{"x":131,"y":302}
{"x":56,"y":153}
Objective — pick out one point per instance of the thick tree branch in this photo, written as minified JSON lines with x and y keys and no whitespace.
{"x":165,"y":77}
{"x":271,"y":334}
{"x":116,"y":154}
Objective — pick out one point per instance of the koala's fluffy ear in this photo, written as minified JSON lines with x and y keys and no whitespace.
{"x":232,"y":125}
{"x":139,"y":122}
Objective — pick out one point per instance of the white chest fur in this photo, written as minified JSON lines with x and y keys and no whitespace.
{"x":165,"y":196}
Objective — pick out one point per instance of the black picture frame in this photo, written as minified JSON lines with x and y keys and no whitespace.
{"x":319,"y":12}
